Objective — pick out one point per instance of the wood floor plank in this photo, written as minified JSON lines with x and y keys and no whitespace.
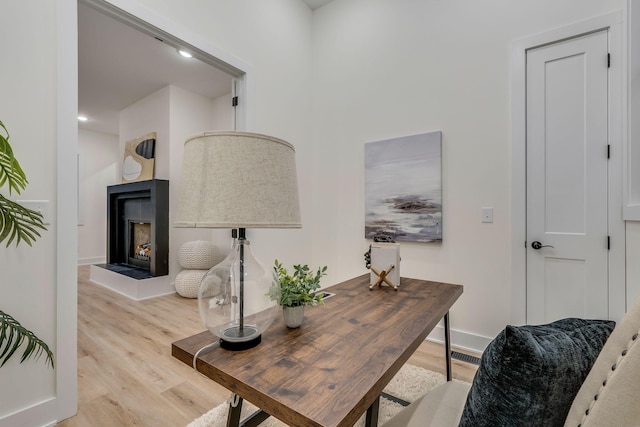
{"x":105,"y":410}
{"x":127,"y":376}
{"x":192,"y":401}
{"x":88,"y":381}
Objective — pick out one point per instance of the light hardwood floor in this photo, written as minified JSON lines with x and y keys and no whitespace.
{"x":127,"y":376}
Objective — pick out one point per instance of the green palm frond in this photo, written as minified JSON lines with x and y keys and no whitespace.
{"x":18,"y":223}
{"x":13,"y":335}
{"x":10,"y":171}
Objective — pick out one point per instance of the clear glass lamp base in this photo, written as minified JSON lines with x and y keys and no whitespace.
{"x":234,"y":300}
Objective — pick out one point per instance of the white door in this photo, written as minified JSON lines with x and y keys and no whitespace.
{"x":567,"y":116}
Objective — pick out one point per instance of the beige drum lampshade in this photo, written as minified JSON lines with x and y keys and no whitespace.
{"x":238,"y":180}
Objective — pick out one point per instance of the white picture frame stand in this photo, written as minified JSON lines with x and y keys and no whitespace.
{"x":385,"y":265}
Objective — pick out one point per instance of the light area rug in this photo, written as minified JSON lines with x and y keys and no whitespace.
{"x":410,"y":383}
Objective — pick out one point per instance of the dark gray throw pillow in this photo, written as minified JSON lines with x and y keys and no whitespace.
{"x":529,"y":375}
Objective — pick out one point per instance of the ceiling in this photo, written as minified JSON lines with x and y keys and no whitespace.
{"x":119,"y":65}
{"x":314,"y":4}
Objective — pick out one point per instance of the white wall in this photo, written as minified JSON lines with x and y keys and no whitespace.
{"x":633,"y":266}
{"x":100,"y":160}
{"x":27,"y":285}
{"x":150,"y":114}
{"x":632,"y":189}
{"x":385,"y":69}
{"x":221,"y":113}
{"x":190,"y":114}
{"x":34,"y":278}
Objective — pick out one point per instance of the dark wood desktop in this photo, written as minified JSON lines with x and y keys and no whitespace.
{"x":333,"y":368}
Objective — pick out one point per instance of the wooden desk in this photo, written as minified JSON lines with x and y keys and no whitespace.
{"x":334,"y":367}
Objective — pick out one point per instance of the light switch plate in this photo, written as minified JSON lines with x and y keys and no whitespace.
{"x":487,"y":214}
{"x":41,"y":206}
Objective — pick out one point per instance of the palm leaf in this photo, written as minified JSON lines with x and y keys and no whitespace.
{"x":10,"y":171}
{"x":18,"y":223}
{"x":13,"y":335}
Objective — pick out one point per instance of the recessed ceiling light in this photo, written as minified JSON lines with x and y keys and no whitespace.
{"x":82,"y":118}
{"x":185,"y":54}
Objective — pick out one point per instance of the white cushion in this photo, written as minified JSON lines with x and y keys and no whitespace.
{"x":441,"y":407}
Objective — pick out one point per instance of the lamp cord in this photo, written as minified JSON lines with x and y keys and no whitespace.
{"x":207,"y":347}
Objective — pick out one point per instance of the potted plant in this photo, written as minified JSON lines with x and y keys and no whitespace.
{"x":295,"y":291}
{"x":18,"y":224}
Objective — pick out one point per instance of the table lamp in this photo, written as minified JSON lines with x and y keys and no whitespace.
{"x":238,"y":180}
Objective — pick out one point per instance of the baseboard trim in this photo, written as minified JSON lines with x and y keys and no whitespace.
{"x":92,"y":260}
{"x":38,"y":414}
{"x":460,"y":339}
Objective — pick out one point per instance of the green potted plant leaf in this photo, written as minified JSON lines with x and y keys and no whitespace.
{"x":18,"y":224}
{"x":295,"y":291}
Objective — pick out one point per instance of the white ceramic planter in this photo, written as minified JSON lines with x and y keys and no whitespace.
{"x":293,"y":316}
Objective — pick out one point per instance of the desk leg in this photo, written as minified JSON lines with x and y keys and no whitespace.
{"x":372,"y":414}
{"x":447,"y":345}
{"x":235,"y":407}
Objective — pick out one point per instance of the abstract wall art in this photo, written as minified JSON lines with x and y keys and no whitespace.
{"x":403,"y":188}
{"x":139,"y":158}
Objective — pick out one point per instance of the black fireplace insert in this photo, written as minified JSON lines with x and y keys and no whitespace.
{"x":138,"y":228}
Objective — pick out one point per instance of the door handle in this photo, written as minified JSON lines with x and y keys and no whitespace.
{"x":537,"y":245}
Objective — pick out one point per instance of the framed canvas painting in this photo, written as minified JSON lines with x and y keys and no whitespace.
{"x":403,"y":188}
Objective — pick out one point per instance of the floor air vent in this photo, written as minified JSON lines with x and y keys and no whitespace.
{"x":465,"y":358}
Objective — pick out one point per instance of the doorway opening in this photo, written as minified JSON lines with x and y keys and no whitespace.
{"x":123,"y":59}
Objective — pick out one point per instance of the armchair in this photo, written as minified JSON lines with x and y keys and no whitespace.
{"x":600,"y":389}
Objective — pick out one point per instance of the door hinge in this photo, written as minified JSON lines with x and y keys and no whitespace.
{"x":608,"y":151}
{"x":608,"y":243}
{"x":608,"y":60}
{"x":234,"y":101}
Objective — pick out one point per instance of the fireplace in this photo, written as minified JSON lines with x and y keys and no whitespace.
{"x":138,"y":228}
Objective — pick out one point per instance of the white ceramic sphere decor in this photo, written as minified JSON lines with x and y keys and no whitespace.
{"x":198,"y":255}
{"x":188,"y":282}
